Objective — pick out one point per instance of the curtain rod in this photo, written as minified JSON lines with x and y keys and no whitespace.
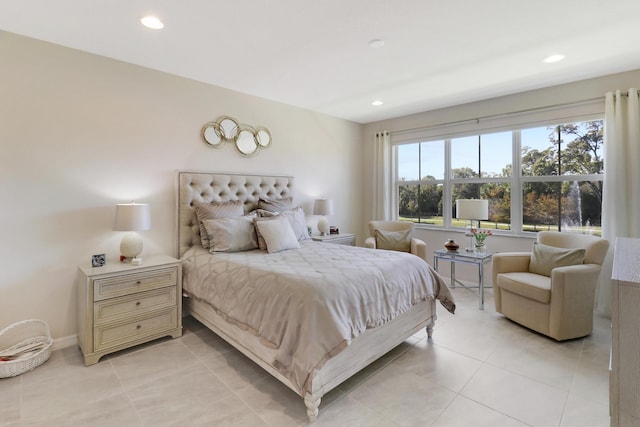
{"x":503,"y":115}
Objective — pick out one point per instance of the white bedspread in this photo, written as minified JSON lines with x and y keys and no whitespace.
{"x":309,"y":303}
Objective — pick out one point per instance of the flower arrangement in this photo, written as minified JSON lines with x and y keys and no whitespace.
{"x":480,"y":236}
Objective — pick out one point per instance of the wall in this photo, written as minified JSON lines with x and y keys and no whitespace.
{"x":80,"y":133}
{"x":552,"y":96}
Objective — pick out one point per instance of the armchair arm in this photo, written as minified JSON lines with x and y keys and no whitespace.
{"x":509,"y":262}
{"x":419,"y":248}
{"x":573,"y":291}
{"x":370,"y":242}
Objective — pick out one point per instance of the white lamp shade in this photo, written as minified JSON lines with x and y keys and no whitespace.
{"x":323,"y":207}
{"x":132,"y":217}
{"x":472,"y":209}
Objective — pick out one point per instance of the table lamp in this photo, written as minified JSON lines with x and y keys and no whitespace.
{"x":472,"y":209}
{"x":323,"y":207}
{"x":132,"y":217}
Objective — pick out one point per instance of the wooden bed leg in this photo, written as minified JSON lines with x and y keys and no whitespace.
{"x":430,"y":329}
{"x":313,"y":403}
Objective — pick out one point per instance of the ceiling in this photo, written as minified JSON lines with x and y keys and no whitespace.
{"x":316,"y":54}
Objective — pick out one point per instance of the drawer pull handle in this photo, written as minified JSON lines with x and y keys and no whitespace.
{"x":138,"y":304}
{"x":139,"y":282}
{"x":138,"y":327}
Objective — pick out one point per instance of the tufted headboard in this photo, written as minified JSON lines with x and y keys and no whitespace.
{"x":203,"y":187}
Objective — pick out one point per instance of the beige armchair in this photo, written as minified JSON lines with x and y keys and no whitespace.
{"x":390,"y":232}
{"x":560,"y":304}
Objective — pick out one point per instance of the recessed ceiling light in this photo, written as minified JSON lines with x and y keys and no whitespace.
{"x":152,"y":22}
{"x":377,"y":102}
{"x":554,"y":58}
{"x":376,"y":43}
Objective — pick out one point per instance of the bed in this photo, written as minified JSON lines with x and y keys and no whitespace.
{"x":268,"y":305}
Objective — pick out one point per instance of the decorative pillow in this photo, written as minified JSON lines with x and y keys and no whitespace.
{"x":231,"y":234}
{"x":296,"y":219}
{"x":278,"y":235}
{"x":394,"y":240}
{"x":213,"y":210}
{"x":545,"y":258}
{"x":298,"y":223}
{"x":261,"y":243}
{"x":276,"y":205}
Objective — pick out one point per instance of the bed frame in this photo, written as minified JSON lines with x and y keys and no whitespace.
{"x":372,"y":344}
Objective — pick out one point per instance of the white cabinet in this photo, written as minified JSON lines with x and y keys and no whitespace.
{"x":625,"y":337}
{"x":121,"y":305}
{"x":341,"y":239}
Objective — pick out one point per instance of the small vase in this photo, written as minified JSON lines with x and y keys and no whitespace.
{"x":451,"y":245}
{"x":480,"y":247}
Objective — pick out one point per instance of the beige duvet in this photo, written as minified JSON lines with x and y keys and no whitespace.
{"x":309,"y":303}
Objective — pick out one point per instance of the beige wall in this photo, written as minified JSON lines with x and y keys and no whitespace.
{"x":538,"y":99}
{"x":80,"y":133}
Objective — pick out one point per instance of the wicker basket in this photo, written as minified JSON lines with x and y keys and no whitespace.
{"x":30,"y":337}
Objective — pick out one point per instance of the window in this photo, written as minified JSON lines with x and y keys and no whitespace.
{"x":556,"y":172}
{"x":562,"y":169}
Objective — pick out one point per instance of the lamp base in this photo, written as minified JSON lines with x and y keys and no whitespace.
{"x":130,"y":246}
{"x":323,"y":226}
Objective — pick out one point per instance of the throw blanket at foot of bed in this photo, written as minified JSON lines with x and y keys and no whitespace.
{"x":309,"y":303}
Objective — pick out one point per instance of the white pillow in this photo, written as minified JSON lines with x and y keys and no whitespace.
{"x":278,"y":235}
{"x":231,"y":234}
{"x":298,"y":222}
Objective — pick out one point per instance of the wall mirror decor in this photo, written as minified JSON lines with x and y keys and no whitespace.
{"x":246,"y":142}
{"x":211,"y":134}
{"x":229,"y":127}
{"x":246,"y":139}
{"x":263,"y":137}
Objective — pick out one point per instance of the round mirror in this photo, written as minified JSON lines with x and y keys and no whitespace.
{"x":229,"y":128}
{"x":246,"y":143}
{"x":263,"y":137}
{"x":211,"y":134}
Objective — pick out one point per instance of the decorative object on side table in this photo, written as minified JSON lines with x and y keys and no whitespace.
{"x":98,"y":260}
{"x":132,"y":217}
{"x":451,"y":245}
{"x":472,"y":209}
{"x":323,"y":207}
{"x":479,"y":236}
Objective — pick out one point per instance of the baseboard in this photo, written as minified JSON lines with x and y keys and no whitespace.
{"x":64,"y":342}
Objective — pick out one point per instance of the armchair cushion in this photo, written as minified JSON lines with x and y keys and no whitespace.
{"x":545,"y":258}
{"x":528,"y":285}
{"x":394,"y":240}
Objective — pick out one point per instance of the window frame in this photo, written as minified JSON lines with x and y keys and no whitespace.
{"x":517,"y":180}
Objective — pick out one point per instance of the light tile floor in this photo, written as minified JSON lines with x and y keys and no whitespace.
{"x":479,"y":369}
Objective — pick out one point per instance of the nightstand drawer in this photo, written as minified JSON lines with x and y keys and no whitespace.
{"x":133,"y":305}
{"x":133,"y":330}
{"x":126,"y":284}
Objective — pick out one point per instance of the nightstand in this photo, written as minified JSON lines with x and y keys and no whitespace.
{"x":122,"y":305}
{"x":340,"y":239}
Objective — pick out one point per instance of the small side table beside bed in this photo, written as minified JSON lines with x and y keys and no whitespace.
{"x":476,"y":258}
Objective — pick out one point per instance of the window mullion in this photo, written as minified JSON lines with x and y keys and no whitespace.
{"x":516,"y":183}
{"x":447,"y":207}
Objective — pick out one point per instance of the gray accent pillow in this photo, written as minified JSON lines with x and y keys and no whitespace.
{"x":231,"y":234}
{"x":394,"y":240}
{"x":278,"y":235}
{"x":545,"y":258}
{"x":276,"y":205}
{"x":213,"y":210}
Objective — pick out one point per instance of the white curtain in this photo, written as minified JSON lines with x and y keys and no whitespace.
{"x":621,"y":192}
{"x":382,"y":177}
